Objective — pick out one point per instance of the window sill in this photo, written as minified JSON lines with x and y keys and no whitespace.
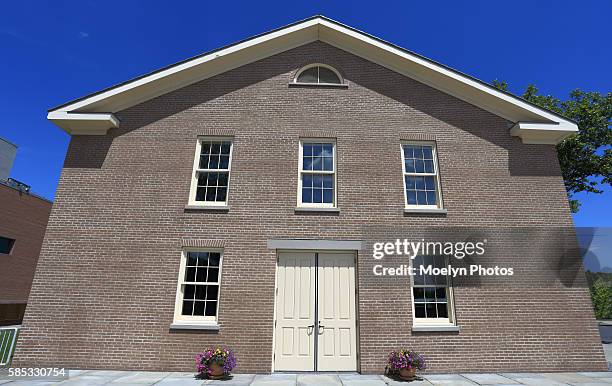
{"x":309,"y":209}
{"x":322,"y":85}
{"x":194,"y":326}
{"x":220,"y":208}
{"x":440,"y":211}
{"x":435,"y":328}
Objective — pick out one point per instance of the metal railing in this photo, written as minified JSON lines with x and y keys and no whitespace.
{"x":8,"y":338}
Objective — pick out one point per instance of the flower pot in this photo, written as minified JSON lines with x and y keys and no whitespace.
{"x":407,"y":374}
{"x":215,"y":371}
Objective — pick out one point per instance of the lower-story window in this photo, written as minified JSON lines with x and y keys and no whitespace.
{"x":431,"y":294}
{"x":197,"y":299}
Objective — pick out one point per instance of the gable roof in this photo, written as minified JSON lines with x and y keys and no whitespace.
{"x":93,"y":114}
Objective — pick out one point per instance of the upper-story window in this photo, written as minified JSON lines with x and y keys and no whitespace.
{"x":211,"y":175}
{"x":317,"y":184}
{"x":318,"y":74}
{"x":421,"y":179}
{"x":6,"y":245}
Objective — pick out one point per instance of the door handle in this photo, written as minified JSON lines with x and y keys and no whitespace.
{"x":319,"y":327}
{"x":308,"y":329}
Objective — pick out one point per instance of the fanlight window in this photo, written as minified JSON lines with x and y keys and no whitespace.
{"x":318,"y":74}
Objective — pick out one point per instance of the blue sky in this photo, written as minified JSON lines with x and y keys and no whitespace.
{"x":52,"y":52}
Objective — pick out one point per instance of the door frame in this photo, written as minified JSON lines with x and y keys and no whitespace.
{"x":355,"y":253}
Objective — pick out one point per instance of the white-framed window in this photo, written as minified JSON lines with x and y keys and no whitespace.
{"x":421,"y":177}
{"x":432,"y":295}
{"x":197,"y":295}
{"x":211,"y":171}
{"x":317,"y":179}
{"x":318,"y":73}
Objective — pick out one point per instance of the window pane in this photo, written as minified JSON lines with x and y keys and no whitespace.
{"x":307,"y":195}
{"x":212,"y":292}
{"x":408,"y":151}
{"x":190,"y":274}
{"x":204,"y":159}
{"x":328,"y":76}
{"x":211,"y":193}
{"x":309,"y":75}
{"x":214,"y":259}
{"x":317,"y":195}
{"x":307,"y":150}
{"x":430,"y":295}
{"x":201,"y":275}
{"x":205,"y":148}
{"x":192,"y":258}
{"x":224,"y":162}
{"x":328,"y":164}
{"x":307,"y":180}
{"x":215,"y":148}
{"x":441,"y":294}
{"x":221,"y":194}
{"x":427,"y":152}
{"x":187,"y":308}
{"x":410,"y":166}
{"x":327,"y":150}
{"x":189,"y":292}
{"x":429,"y":168}
{"x":211,"y":309}
{"x":198,"y":309}
{"x":213,"y":275}
{"x":431,"y":198}
{"x":430,"y":183}
{"x":328,"y":196}
{"x":200,"y":293}
{"x":412,"y":198}
{"x":202,"y":259}
{"x":307,"y":163}
{"x":410,"y":182}
{"x":328,"y":181}
{"x":431,"y":310}
{"x":419,"y":166}
{"x":442,"y":310}
{"x":419,"y":295}
{"x":225,"y":147}
{"x":419,"y":310}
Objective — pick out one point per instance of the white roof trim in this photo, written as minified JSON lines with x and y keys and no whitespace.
{"x":445,"y":79}
{"x":84,"y":123}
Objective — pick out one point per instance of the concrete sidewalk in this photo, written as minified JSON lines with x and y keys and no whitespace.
{"x":104,"y":377}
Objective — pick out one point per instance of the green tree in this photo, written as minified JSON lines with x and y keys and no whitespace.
{"x":601,"y":294}
{"x":585,"y":157}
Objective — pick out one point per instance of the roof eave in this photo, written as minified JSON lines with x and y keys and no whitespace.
{"x":83,"y":123}
{"x":534,"y":133}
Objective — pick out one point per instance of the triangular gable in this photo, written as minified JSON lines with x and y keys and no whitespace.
{"x":93,"y":114}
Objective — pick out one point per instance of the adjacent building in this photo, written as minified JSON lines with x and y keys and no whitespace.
{"x":236,"y":198}
{"x":23,"y":219}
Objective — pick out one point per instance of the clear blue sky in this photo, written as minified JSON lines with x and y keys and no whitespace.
{"x":54,"y":51}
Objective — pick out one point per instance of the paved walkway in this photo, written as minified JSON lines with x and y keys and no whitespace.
{"x":119,"y":378}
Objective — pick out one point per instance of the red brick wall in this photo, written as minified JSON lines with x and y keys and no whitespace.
{"x":23,"y":217}
{"x":105,"y":289}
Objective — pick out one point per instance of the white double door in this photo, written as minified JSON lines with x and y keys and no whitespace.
{"x":315,"y":327}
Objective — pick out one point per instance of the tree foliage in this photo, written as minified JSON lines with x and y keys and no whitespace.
{"x":601,"y":294}
{"x":585,"y":157}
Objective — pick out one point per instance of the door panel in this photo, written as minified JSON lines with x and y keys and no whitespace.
{"x":294,"y":341}
{"x":326,"y":281}
{"x":337,"y":339}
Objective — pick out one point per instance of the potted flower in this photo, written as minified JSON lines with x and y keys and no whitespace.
{"x":215,"y":362}
{"x":406,"y":362}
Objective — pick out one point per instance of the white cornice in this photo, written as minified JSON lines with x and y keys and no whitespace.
{"x":84,"y":123}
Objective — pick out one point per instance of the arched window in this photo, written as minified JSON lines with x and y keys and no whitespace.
{"x":318,"y":74}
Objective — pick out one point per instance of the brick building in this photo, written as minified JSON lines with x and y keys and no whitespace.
{"x":23,"y":219}
{"x":235,"y":198}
